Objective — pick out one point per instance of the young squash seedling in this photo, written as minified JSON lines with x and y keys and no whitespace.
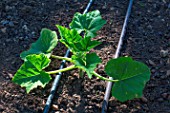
{"x":129,"y":76}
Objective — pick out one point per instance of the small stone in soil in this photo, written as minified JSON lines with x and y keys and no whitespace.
{"x":112,"y":8}
{"x":124,"y":106}
{"x":151,"y":63}
{"x":144,"y":99}
{"x":160,"y":99}
{"x":4,"y":22}
{"x":164,"y":95}
{"x":55,"y":107}
{"x":104,"y":7}
{"x":25,"y":28}
{"x":153,"y":70}
{"x":3,"y":30}
{"x":7,"y":8}
{"x":169,"y":97}
{"x":168,"y":61}
{"x":168,"y":73}
{"x":72,"y":111}
{"x":11,"y":24}
{"x":164,"y":53}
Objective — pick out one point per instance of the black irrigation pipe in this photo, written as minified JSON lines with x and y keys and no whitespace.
{"x":109,"y":84}
{"x":57,"y":78}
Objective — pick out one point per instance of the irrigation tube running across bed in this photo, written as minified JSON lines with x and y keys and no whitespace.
{"x":109,"y":84}
{"x":57,"y":78}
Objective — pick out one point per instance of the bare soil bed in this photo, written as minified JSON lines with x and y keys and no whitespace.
{"x":147,"y":40}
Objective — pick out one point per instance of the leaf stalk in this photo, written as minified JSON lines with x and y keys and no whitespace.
{"x":62,"y":70}
{"x":103,"y":78}
{"x":61,"y":58}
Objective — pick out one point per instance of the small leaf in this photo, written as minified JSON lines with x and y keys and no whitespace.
{"x":132,"y":76}
{"x":31,"y":74}
{"x":90,"y":23}
{"x":45,"y":44}
{"x":88,"y":64}
{"x":75,"y":42}
{"x":69,"y":37}
{"x":86,"y":44}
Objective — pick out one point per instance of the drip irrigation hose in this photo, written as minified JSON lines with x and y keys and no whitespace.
{"x":109,"y":84}
{"x":57,"y":78}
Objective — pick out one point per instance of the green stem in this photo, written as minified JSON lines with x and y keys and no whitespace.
{"x":62,"y":70}
{"x":103,"y":78}
{"x":61,"y":58}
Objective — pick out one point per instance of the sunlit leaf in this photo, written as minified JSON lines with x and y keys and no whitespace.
{"x":31,"y":74}
{"x":75,"y":42}
{"x":88,"y":64}
{"x":90,"y":22}
{"x":132,"y":76}
{"x":69,"y":37}
{"x":45,"y":44}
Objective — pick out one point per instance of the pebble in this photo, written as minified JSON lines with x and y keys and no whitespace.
{"x":153,"y":70}
{"x":149,"y":27}
{"x":160,"y":99}
{"x":4,"y":22}
{"x":164,"y":53}
{"x":71,"y":110}
{"x":169,"y":97}
{"x":112,"y":8}
{"x":8,"y":8}
{"x":8,"y":40}
{"x":104,"y":7}
{"x":90,"y":107}
{"x":168,"y":61}
{"x":168,"y":73}
{"x":144,"y":99}
{"x":124,"y":106}
{"x":71,"y":104}
{"x":152,"y":85}
{"x":77,"y":96}
{"x":151,"y":63}
{"x":164,"y":95}
{"x":169,"y":6}
{"x":3,"y":30}
{"x":11,"y":24}
{"x":25,"y":28}
{"x":33,"y":33}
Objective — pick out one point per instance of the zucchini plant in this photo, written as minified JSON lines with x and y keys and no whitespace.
{"x":129,"y":76}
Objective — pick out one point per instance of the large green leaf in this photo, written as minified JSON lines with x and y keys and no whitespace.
{"x":132,"y":76}
{"x":31,"y":74}
{"x":88,"y":64}
{"x":74,"y":41}
{"x":45,"y":44}
{"x":90,"y":23}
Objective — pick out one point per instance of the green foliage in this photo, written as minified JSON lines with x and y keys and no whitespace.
{"x":132,"y":76}
{"x":129,"y":76}
{"x":45,"y":44}
{"x":75,"y":42}
{"x":90,"y":23}
{"x":88,"y":63}
{"x":69,"y":37}
{"x":31,"y":74}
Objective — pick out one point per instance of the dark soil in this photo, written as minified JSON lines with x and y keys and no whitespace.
{"x":147,"y":40}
